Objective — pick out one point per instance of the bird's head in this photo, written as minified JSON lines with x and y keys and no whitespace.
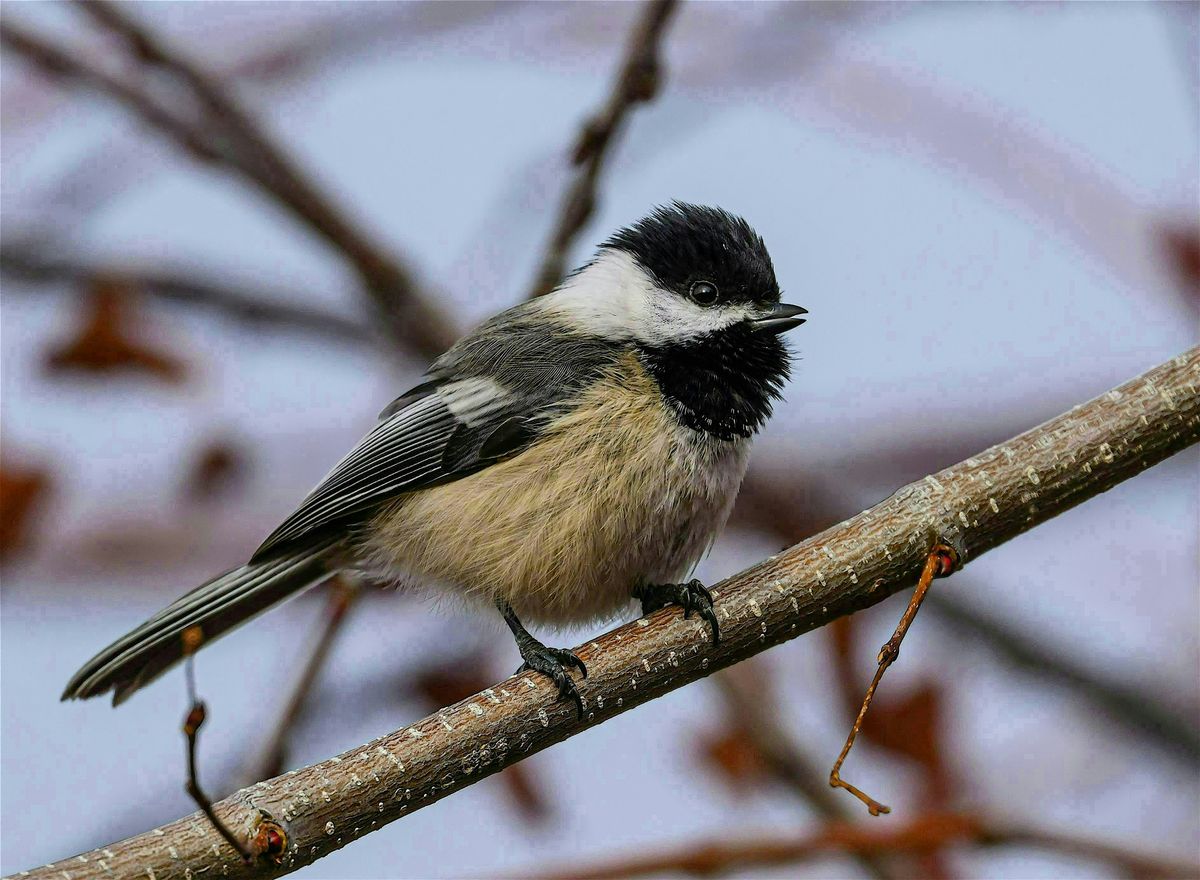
{"x":678,"y":276}
{"x":692,"y":288}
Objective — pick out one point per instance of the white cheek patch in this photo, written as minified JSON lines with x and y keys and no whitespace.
{"x":610,"y":298}
{"x":616,"y":298}
{"x":676,"y":319}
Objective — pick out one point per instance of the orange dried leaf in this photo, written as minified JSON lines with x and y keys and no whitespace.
{"x":108,"y":340}
{"x":735,"y":759}
{"x":20,"y":494}
{"x":217,"y":467}
{"x":1183,"y":248}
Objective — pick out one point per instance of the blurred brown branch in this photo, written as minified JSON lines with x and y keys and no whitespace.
{"x":752,"y":708}
{"x":222,"y":132}
{"x":923,"y":835}
{"x":1181,"y":246}
{"x":23,"y":494}
{"x":57,"y":62}
{"x":272,"y":756}
{"x":235,"y":299}
{"x":1128,"y":705}
{"x":638,"y":80}
{"x":975,"y":505}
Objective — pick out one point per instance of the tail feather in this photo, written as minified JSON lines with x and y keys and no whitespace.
{"x":217,"y":607}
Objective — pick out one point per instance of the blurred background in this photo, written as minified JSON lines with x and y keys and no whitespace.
{"x":216,"y":275}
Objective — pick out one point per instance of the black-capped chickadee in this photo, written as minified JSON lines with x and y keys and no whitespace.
{"x":573,"y":453}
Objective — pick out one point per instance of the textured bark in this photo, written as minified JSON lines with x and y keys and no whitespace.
{"x":974,"y":506}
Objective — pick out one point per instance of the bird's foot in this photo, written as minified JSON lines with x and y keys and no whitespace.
{"x":692,"y":596}
{"x":554,"y":663}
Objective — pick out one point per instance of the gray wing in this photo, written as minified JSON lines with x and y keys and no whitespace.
{"x":488,"y":398}
{"x":420,"y":443}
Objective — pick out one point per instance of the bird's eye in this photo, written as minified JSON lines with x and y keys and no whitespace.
{"x":704,"y":292}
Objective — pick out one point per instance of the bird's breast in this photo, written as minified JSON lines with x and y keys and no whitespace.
{"x":615,"y":494}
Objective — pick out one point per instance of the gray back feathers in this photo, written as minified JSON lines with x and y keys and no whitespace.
{"x":486,"y":399}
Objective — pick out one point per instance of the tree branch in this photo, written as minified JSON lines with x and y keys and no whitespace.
{"x":60,"y":63}
{"x":751,"y":707}
{"x":227,"y":135}
{"x":409,"y":317}
{"x":36,"y":264}
{"x":925,"y":834}
{"x":1126,"y":704}
{"x":637,"y":81}
{"x":789,"y":510}
{"x":272,"y":757}
{"x":974,"y":506}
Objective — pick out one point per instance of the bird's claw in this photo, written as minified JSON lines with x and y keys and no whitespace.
{"x":553,"y":662}
{"x":692,"y":596}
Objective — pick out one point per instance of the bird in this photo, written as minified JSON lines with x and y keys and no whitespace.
{"x":572,"y":456}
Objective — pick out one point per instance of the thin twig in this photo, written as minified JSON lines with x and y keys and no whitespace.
{"x":343,"y":592}
{"x":924,"y":834}
{"x":192,"y":639}
{"x":57,"y":63}
{"x":751,"y":706}
{"x":231,"y":298}
{"x":975,"y":505}
{"x":638,"y":80}
{"x":942,"y":560}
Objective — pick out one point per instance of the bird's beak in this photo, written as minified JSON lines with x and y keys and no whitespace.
{"x":780,"y":319}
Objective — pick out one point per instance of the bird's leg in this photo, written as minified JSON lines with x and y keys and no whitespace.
{"x":548,"y":661}
{"x":692,"y":596}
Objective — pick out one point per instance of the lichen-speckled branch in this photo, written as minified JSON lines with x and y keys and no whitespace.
{"x":974,"y":506}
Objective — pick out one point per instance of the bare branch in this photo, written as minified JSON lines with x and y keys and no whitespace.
{"x":942,"y":560}
{"x":637,"y":81}
{"x":410,"y":319}
{"x":181,"y":286}
{"x":1125,"y":704}
{"x":925,"y":834}
{"x":230,"y":137}
{"x":973,"y":506}
{"x":60,"y":63}
{"x":192,"y":639}
{"x":751,"y":705}
{"x":272,"y":757}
